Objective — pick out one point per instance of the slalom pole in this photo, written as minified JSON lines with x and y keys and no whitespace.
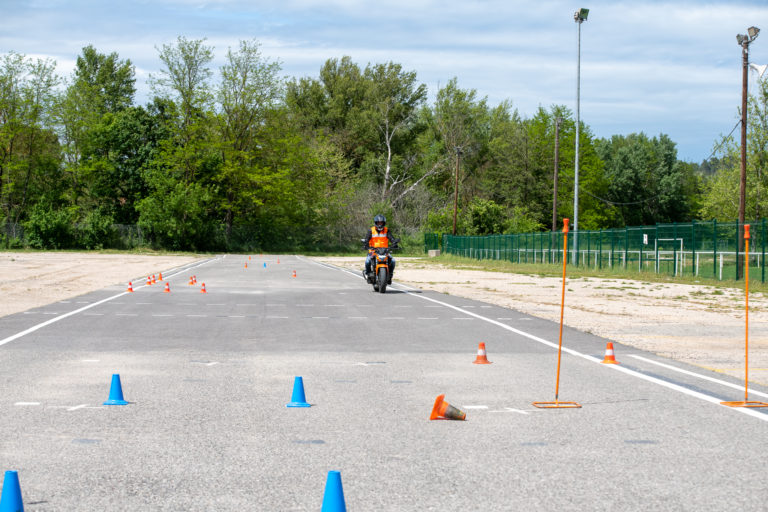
{"x":746,"y":402}
{"x":557,"y":404}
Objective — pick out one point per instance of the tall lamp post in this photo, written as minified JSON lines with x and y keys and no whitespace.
{"x":743,"y":41}
{"x":579,"y":17}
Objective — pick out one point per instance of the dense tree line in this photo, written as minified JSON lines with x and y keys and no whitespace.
{"x":240,"y":158}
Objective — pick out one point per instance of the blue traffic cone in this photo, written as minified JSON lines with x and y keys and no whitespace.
{"x":265,"y":264}
{"x":297,"y":398}
{"x":11,"y":498}
{"x":116,"y":392}
{"x":333,"y":499}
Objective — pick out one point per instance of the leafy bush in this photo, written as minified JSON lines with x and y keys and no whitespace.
{"x":96,"y":232}
{"x":49,"y":228}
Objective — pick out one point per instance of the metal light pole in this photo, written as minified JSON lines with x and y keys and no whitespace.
{"x":579,"y":17}
{"x":743,"y":41}
{"x":456,"y":189}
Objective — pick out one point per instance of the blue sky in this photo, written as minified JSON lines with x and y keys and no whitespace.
{"x":658,"y":67}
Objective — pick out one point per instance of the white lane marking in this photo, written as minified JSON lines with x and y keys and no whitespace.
{"x":433,"y":306}
{"x":63,"y":302}
{"x":304,"y":305}
{"x":461,"y":318}
{"x":206,"y":363}
{"x":246,"y":304}
{"x":705,"y":377}
{"x":30,"y":312}
{"x":50,"y":312}
{"x":26,"y":403}
{"x":427,"y":318}
{"x":474,"y":406}
{"x":87,"y":302}
{"x":468,"y":307}
{"x":614,"y":367}
{"x":320,"y":317}
{"x":272,"y":316}
{"x":505,"y":318}
{"x":486,"y":307}
{"x":65,"y":315}
{"x":197,"y":316}
{"x":525,"y":318}
{"x":510,"y":409}
{"x":81,"y":406}
{"x":335,"y":305}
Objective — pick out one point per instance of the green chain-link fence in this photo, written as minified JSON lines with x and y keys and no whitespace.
{"x":705,"y":249}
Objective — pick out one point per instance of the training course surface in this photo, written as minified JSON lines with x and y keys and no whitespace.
{"x":208,"y":377}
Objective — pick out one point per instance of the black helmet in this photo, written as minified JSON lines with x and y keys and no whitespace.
{"x":379,"y":221}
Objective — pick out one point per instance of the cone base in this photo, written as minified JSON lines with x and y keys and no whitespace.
{"x":298,"y":404}
{"x":481,"y":362}
{"x":116,"y":402}
{"x":744,"y":404}
{"x":610,"y":362}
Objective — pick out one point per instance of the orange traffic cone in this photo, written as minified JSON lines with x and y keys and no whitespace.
{"x":191,"y":281}
{"x":609,"y":357}
{"x":154,"y":280}
{"x":167,"y":288}
{"x":149,"y":281}
{"x":481,"y":357}
{"x":202,"y":290}
{"x":442,"y":410}
{"x":249,"y":258}
{"x":130,"y":287}
{"x":246,"y":264}
{"x":278,"y":261}
{"x":294,"y":274}
{"x":160,"y":276}
{"x":194,"y":279}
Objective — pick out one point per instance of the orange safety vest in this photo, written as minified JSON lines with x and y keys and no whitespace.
{"x":379,"y":239}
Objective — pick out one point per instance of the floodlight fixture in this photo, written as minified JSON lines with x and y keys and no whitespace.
{"x":581,"y":15}
{"x":753,"y":31}
{"x":740,"y":39}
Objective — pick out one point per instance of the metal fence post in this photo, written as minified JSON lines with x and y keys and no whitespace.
{"x":714,"y":249}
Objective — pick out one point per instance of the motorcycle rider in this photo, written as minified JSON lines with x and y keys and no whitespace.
{"x":379,"y":236}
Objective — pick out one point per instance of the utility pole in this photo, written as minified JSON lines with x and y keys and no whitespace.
{"x":557,"y":160}
{"x":456,"y":189}
{"x":743,"y":41}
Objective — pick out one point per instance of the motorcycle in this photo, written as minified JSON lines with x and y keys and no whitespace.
{"x":379,"y":278}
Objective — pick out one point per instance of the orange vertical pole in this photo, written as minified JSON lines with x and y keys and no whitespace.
{"x":746,"y":312}
{"x":562,"y":307}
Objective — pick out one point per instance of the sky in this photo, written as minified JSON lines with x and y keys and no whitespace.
{"x":671,"y":67}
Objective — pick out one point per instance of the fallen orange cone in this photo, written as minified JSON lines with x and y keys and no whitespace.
{"x":442,"y":410}
{"x":202,"y":290}
{"x":609,"y":357}
{"x":481,"y":357}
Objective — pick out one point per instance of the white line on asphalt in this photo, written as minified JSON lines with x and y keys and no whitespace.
{"x":26,"y":403}
{"x":81,"y":406}
{"x":63,"y":302}
{"x":505,"y":318}
{"x":84,"y":302}
{"x":693,"y":374}
{"x":50,"y":312}
{"x":320,"y":317}
{"x":246,"y":304}
{"x":462,"y":318}
{"x":197,"y":316}
{"x":65,"y":315}
{"x":335,"y":305}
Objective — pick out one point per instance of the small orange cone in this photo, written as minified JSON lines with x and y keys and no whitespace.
{"x":167,"y":288}
{"x":194,"y":279}
{"x":249,"y":258}
{"x":442,"y":410}
{"x":278,"y":261}
{"x":294,"y":274}
{"x":246,"y":264}
{"x":191,"y":281}
{"x":130,"y":287}
{"x":160,"y":276}
{"x":202,"y":290}
{"x":609,"y":357}
{"x":154,"y":280}
{"x":481,"y":357}
{"x":149,"y":281}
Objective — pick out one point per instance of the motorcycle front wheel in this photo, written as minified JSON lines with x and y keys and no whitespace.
{"x":382,"y":279}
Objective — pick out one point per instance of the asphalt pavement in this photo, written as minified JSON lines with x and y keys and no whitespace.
{"x":208,"y":375}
